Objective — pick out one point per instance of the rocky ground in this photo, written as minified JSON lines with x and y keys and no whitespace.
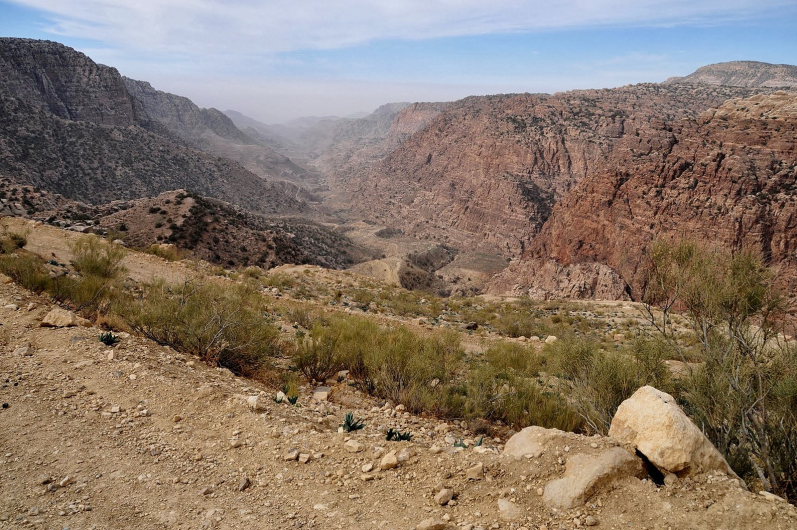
{"x":140,"y":436}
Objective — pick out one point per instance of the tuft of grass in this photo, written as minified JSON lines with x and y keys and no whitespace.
{"x":94,"y":256}
{"x":352,"y":423}
{"x":167,"y":252}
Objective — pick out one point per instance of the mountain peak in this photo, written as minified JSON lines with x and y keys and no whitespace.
{"x":751,"y":74}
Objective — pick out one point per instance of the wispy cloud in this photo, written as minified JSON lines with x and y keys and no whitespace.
{"x":197,"y":27}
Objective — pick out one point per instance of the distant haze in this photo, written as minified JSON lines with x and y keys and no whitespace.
{"x":278,"y":60}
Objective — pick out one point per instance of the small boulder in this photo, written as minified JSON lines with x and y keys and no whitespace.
{"x":531,"y":442}
{"x":61,"y":318}
{"x":550,"y":339}
{"x":652,"y":422}
{"x":256,"y":404}
{"x":585,"y":473}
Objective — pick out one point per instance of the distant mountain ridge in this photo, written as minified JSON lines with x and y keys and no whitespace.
{"x":74,"y":127}
{"x":751,"y":74}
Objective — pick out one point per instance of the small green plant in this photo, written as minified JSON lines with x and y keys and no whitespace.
{"x":394,"y":435}
{"x":351,"y":423}
{"x":293,"y":399}
{"x":479,"y":442}
{"x":109,"y":339}
{"x":461,"y":443}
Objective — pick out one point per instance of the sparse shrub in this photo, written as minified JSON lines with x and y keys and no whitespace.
{"x":395,"y":435}
{"x":27,"y":270}
{"x":351,"y":423}
{"x":224,"y":325}
{"x":507,"y":356}
{"x":167,"y":252}
{"x":12,"y":241}
{"x":109,"y":339}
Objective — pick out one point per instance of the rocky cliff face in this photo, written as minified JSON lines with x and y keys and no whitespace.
{"x":742,"y":73}
{"x":726,"y":177}
{"x":64,"y":82}
{"x":72,"y":127}
{"x":486,"y":172}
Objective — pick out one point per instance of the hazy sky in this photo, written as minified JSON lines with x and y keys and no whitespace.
{"x":280,"y":59}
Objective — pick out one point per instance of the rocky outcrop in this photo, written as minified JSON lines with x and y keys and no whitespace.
{"x":652,"y":423}
{"x":742,"y":73}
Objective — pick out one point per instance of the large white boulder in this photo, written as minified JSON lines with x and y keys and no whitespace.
{"x":653,"y":423}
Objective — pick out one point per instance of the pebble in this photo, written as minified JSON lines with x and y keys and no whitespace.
{"x":353,"y":446}
{"x":244,"y":483}
{"x":475,"y":473}
{"x":444,"y":496}
{"x":389,"y":461}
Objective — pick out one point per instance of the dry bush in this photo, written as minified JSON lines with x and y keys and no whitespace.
{"x":94,"y":256}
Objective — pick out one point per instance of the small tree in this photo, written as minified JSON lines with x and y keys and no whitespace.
{"x":744,"y":393}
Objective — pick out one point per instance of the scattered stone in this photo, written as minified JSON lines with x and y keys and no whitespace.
{"x":354,"y":446}
{"x":304,"y":458}
{"x":432,"y":524}
{"x":256,"y":404}
{"x":244,"y":484}
{"x":475,"y":472}
{"x":652,"y":422}
{"x":585,"y":473}
{"x":66,"y":481}
{"x":508,"y":510}
{"x":550,"y":339}
{"x":24,"y":351}
{"x":367,"y":468}
{"x":321,"y":393}
{"x":291,"y":455}
{"x":389,"y":461}
{"x":61,"y":318}
{"x":590,"y":521}
{"x":444,"y":496}
{"x":206,"y":491}
{"x":405,"y":454}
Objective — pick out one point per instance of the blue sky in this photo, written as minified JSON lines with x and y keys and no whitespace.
{"x":280,"y":59}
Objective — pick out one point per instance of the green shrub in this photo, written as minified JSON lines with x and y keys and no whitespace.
{"x":395,"y":435}
{"x":12,"y":241}
{"x":109,"y":339}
